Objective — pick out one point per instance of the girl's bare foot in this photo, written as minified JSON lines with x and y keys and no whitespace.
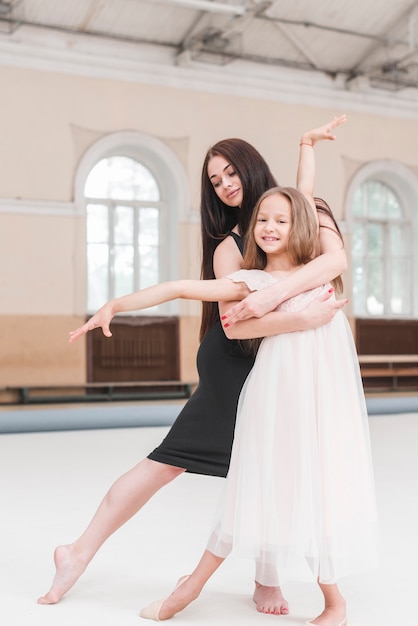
{"x":270,"y":600}
{"x":69,"y":568}
{"x":331,"y":616}
{"x":185,"y":592}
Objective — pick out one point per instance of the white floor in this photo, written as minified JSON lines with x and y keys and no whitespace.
{"x":52,"y":482}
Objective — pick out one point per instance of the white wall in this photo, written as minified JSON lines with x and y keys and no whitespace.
{"x":49,"y":119}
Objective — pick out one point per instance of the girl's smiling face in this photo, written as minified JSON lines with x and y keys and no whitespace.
{"x":274,"y":221}
{"x":225,"y":181}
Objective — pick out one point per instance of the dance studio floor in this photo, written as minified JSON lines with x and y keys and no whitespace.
{"x":51,"y":483}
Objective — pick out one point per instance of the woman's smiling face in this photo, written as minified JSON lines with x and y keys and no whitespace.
{"x":225,"y":181}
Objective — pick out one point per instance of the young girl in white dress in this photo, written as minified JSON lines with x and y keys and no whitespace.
{"x":299,"y":493}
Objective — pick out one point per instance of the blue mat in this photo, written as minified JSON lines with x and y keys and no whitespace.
{"x":392,"y":406}
{"x":87,"y":418}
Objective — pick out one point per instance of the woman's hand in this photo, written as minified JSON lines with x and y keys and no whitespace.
{"x":320,"y":311}
{"x":256,"y":304}
{"x":101,"y":319}
{"x":311,"y":137}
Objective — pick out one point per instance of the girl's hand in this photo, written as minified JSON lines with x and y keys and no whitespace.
{"x":311,"y":137}
{"x":101,"y":319}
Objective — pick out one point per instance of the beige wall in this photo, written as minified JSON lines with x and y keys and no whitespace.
{"x":48,"y":121}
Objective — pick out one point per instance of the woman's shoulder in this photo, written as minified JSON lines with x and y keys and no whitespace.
{"x":231,"y":240}
{"x":227,"y":257}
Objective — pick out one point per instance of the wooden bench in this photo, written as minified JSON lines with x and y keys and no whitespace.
{"x":93,"y":392}
{"x":400,"y":369}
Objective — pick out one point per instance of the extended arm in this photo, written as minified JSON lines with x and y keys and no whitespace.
{"x":204,"y":290}
{"x":305,"y":177}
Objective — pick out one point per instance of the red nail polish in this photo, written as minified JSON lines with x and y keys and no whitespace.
{"x":226,"y":325}
{"x":223,"y":317}
{"x":330,"y":290}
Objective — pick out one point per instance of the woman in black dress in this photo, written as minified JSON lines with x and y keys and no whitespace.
{"x":234,"y":175}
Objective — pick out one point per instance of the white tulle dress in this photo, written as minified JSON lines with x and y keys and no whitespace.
{"x":299,"y":495}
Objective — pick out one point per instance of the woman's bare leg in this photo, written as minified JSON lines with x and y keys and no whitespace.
{"x":125,"y":498}
{"x":185,"y":592}
{"x":335,"y":611}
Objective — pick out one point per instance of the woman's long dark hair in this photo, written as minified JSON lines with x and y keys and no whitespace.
{"x":323,"y":207}
{"x":217,"y":218}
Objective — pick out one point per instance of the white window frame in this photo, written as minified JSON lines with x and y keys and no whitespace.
{"x":164,"y":165}
{"x":404,"y":184}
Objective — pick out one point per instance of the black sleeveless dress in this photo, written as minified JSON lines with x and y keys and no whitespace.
{"x":200,"y":440}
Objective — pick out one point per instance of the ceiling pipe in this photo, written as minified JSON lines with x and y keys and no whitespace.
{"x":205,"y":5}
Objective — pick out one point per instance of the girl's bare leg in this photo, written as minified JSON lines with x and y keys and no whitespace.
{"x":185,"y":592}
{"x":270,"y":600}
{"x":189,"y":587}
{"x":125,"y":498}
{"x":335,"y":611}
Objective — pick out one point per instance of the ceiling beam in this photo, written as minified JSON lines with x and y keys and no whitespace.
{"x":215,"y":40}
{"x":386,"y":41}
{"x":299,"y":45}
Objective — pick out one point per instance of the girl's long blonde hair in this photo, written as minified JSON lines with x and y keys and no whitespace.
{"x":303,"y":243}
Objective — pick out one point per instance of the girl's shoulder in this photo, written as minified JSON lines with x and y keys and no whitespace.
{"x":254,"y":279}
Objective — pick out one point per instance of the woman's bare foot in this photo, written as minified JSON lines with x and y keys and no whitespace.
{"x":270,"y":600}
{"x":69,"y":568}
{"x":184,"y":593}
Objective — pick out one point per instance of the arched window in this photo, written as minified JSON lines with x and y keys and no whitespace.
{"x":125,"y":214}
{"x":131,"y":191}
{"x":382,"y":252}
